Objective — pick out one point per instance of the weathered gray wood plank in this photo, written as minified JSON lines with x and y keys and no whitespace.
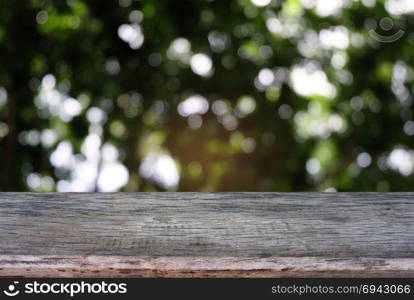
{"x":343,"y":233}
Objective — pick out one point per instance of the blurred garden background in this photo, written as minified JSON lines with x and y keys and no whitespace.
{"x":206,"y":95}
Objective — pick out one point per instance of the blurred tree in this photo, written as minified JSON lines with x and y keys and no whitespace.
{"x":247,"y":95}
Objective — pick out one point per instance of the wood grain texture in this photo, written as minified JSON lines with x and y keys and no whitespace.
{"x":207,"y":234}
{"x":184,"y":267}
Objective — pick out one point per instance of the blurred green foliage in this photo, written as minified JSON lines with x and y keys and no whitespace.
{"x":205,"y":96}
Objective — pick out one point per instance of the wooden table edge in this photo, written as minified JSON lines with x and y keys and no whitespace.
{"x":201,"y":267}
